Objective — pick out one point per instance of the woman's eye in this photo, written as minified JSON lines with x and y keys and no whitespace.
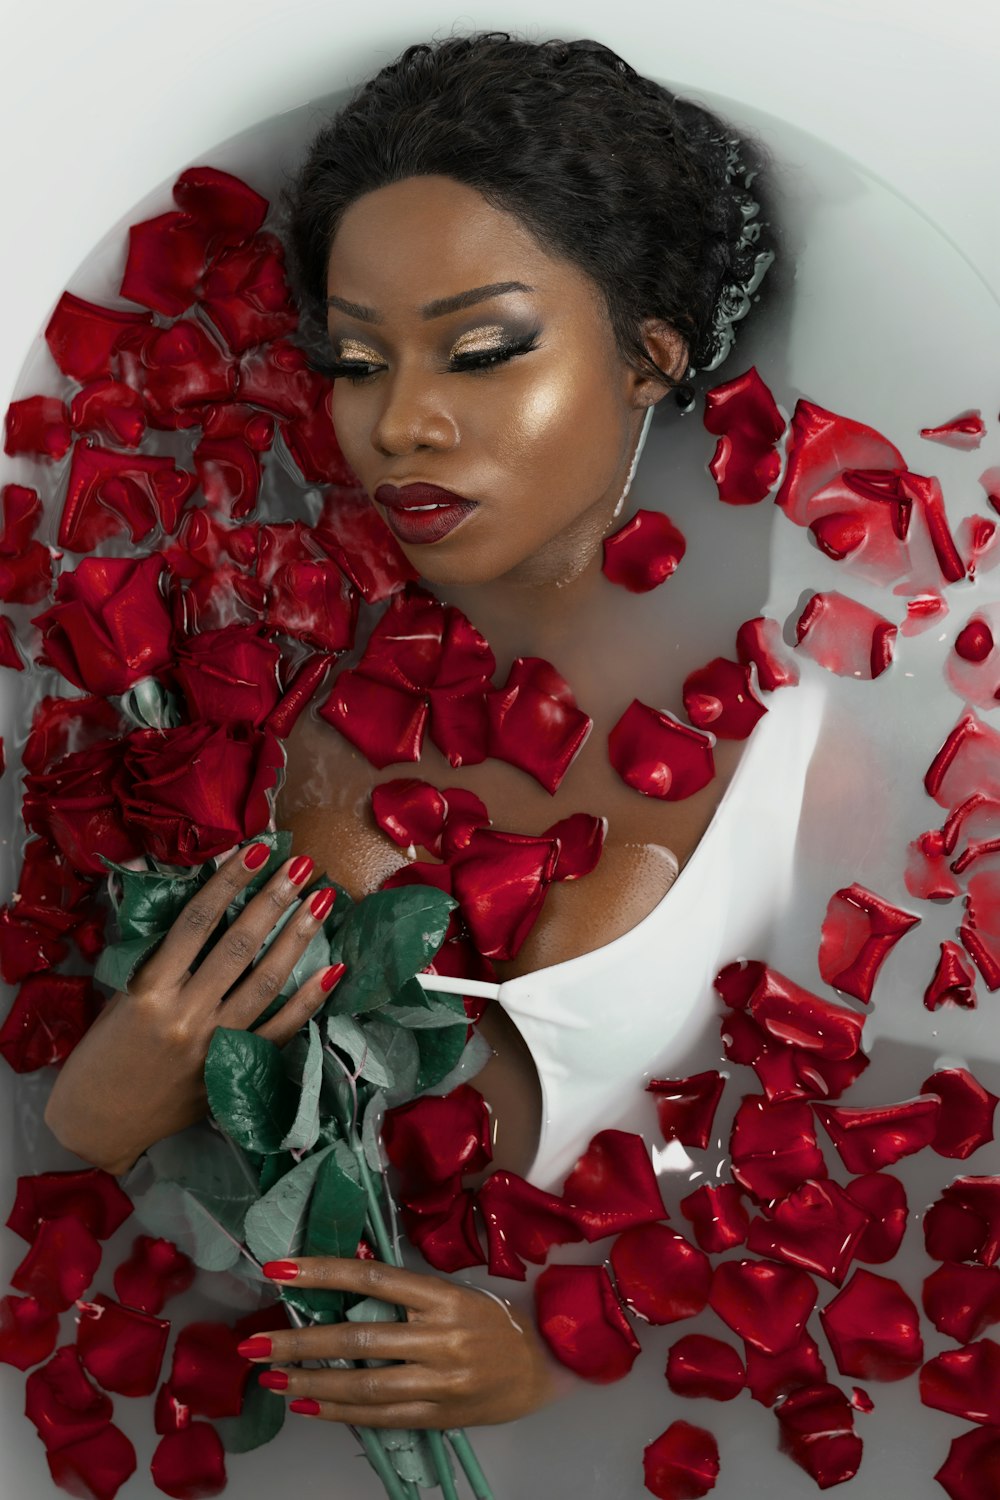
{"x":358,"y":372}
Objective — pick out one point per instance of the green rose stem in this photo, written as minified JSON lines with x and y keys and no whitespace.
{"x":388,"y":1253}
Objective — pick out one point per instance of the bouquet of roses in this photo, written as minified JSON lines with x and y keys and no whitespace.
{"x":289,"y":1162}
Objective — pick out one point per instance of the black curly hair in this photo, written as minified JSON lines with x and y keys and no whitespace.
{"x":604,"y":166}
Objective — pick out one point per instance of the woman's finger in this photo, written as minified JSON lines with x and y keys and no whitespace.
{"x":383,"y":1386}
{"x":307,"y":1000}
{"x":369,"y":1278}
{"x":200,"y":916}
{"x":409,"y":1341}
{"x":239,"y":946}
{"x":269,"y":974}
{"x":418,"y":1414}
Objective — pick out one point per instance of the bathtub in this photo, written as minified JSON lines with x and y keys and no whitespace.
{"x":104,"y":104}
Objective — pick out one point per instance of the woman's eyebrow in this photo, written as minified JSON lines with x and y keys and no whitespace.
{"x":438,"y":308}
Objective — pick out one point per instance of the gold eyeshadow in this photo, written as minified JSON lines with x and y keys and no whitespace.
{"x":476,"y":341}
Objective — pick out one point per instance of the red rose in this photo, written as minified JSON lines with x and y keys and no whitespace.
{"x":194,"y":792}
{"x":76,"y":803}
{"x":229,"y":676}
{"x":110,"y":625}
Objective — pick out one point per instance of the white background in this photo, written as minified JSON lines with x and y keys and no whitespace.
{"x":100,"y":102}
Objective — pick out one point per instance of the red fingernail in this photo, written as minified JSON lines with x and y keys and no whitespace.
{"x":256,"y":855}
{"x":306,"y":1405}
{"x":259,"y":1347}
{"x":273,"y":1380}
{"x":334,"y":973}
{"x":320,"y":904}
{"x":280,"y":1270}
{"x":299,"y":869}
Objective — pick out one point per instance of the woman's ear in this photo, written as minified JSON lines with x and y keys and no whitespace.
{"x":669,"y":350}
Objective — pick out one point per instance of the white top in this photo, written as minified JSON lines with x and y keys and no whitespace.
{"x":599,"y":1026}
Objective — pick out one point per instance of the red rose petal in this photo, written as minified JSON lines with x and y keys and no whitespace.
{"x":208,"y":1375}
{"x":873,"y":1328}
{"x":717,"y":1216}
{"x":500,"y":882}
{"x":964,"y":1223}
{"x":685,"y":1107}
{"x":50,"y":1014}
{"x":818,"y":1227}
{"x":169,"y":1414}
{"x":759,"y":641}
{"x":29,"y":1330}
{"x":121,"y":1347}
{"x":817,"y":1431}
{"x":701,"y":1366}
{"x":773,"y":1146}
{"x":953,"y":982}
{"x":91,"y":1195}
{"x":644,"y":552}
{"x":743,"y":414}
{"x":859,"y":930}
{"x":191,"y":1464}
{"x":967,"y":764}
{"x":581,"y":839}
{"x":83,"y":336}
{"x":720,"y":696}
{"x":228,"y":676}
{"x":244,"y":293}
{"x":797,"y":1017}
{"x":382,"y":722}
{"x":110,"y":625}
{"x":154,"y":1272}
{"x":869,"y":1138}
{"x":883,"y":1197}
{"x":659,"y":756}
{"x":62,"y":1403}
{"x":222,"y":202}
{"x":682,"y":1463}
{"x":613,"y":1185}
{"x":410,"y":812}
{"x":38,"y":425}
{"x":97,"y":1466}
{"x":522,"y":1221}
{"x":109,"y":409}
{"x":962,"y":1300}
{"x":965,"y":1121}
{"x":534,"y":721}
{"x":772,"y":1375}
{"x":766,"y":1305}
{"x":970,"y":1470}
{"x":966,"y":431}
{"x":448,"y":1240}
{"x":845,"y":636}
{"x":61,"y":1263}
{"x":109,"y":492}
{"x":166,"y":257}
{"x":582,"y":1322}
{"x":659,"y":1274}
{"x":437,"y":1137}
{"x":965,"y":1382}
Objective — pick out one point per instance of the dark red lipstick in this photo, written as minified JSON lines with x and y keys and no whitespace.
{"x":422,"y":513}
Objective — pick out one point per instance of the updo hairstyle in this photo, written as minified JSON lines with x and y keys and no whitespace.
{"x":605,"y":167}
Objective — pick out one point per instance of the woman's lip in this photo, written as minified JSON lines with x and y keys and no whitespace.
{"x":394,"y":498}
{"x":420,"y":527}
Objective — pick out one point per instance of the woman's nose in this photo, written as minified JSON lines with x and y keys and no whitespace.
{"x":412,"y":414}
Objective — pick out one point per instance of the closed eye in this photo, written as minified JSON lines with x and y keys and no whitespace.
{"x":358,"y":372}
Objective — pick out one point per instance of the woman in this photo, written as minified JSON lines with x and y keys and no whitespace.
{"x":515,"y":251}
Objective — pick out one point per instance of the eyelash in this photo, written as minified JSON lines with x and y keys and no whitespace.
{"x":482,"y":364}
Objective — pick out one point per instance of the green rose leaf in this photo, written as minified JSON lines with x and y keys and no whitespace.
{"x":361,"y":1047}
{"x":261,"y":1418}
{"x":275,"y":1225}
{"x":249,"y":1092}
{"x":149,"y":705}
{"x":440,"y":1051}
{"x":417,"y":1008}
{"x":474,"y":1058}
{"x":172,"y":1212}
{"x":402,"y":1058}
{"x":304,"y":1131}
{"x":118,"y":961}
{"x":386,"y":939}
{"x":371,"y":1127}
{"x":274,"y":1168}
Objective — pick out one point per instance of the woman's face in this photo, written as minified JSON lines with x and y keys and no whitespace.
{"x":541,"y":441}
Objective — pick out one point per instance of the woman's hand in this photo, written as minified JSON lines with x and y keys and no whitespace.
{"x":466,"y":1360}
{"x":137,"y":1075}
